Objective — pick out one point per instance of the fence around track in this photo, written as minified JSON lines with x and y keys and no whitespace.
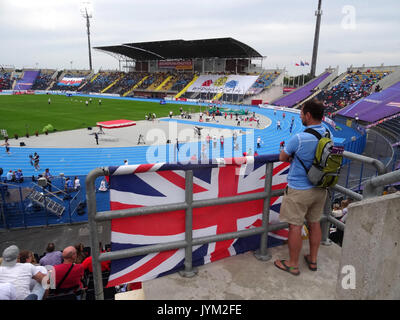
{"x":374,"y":187}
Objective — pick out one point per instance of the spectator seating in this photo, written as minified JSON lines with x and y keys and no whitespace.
{"x":171,"y":81}
{"x":101,"y":80}
{"x":5,"y":80}
{"x":354,"y":86}
{"x":296,"y":96}
{"x":392,"y":127}
{"x":43,"y":81}
{"x":181,"y":82}
{"x":88,"y":283}
{"x":127,"y":82}
{"x":265,"y":79}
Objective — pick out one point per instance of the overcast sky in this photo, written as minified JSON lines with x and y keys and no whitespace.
{"x":52,"y":33}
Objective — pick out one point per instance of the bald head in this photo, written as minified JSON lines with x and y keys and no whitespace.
{"x":69,"y":254}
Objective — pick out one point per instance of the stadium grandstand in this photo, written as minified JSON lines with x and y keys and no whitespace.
{"x":231,"y":91}
{"x":5,"y":79}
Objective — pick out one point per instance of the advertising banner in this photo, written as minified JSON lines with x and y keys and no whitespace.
{"x":178,"y":65}
{"x":236,"y":84}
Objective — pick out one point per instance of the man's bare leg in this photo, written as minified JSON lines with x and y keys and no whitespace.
{"x":314,"y":239}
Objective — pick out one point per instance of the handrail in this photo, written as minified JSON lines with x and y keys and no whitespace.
{"x":189,"y":204}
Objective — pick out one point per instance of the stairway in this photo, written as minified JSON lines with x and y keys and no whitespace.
{"x":51,"y":205}
{"x":217,"y":96}
{"x":114,"y":82}
{"x":135,"y":86}
{"x":187,"y":87}
{"x":163,"y":83}
{"x":95,"y":76}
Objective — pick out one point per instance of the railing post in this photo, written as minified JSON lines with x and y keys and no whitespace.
{"x":325,"y":223}
{"x":262,"y":253}
{"x":94,"y":242}
{"x":348,"y":173}
{"x":189,"y":271}
{"x":361,"y":174}
{"x":45,"y":208}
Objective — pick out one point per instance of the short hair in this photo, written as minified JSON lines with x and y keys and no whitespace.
{"x":50,"y":247}
{"x":315,"y":108}
{"x":24,"y":255}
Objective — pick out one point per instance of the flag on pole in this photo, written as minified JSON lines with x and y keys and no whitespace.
{"x":297,"y":65}
{"x":301,"y":63}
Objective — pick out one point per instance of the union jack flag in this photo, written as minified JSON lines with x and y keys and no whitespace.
{"x":157,"y":184}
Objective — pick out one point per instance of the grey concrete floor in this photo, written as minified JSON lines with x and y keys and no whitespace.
{"x":243,"y":277}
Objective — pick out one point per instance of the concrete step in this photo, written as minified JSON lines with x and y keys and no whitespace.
{"x":243,"y":277}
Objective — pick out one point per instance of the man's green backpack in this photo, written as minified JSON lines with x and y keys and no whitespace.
{"x":325,"y":169}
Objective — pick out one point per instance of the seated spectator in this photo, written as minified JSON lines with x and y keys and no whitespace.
{"x":69,"y":185}
{"x":27,"y":256}
{"x":87,"y":263}
{"x":19,"y":177}
{"x":7,"y":291}
{"x":80,"y":254}
{"x":337,"y":212}
{"x":19,"y":274}
{"x":68,"y":275}
{"x":48,"y":177}
{"x":103,"y":185}
{"x":10,"y":176}
{"x":77,"y":184}
{"x":52,"y":257}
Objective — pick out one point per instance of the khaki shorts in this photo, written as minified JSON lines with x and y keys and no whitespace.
{"x":298,"y":205}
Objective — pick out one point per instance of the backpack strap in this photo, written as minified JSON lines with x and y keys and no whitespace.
{"x":316,"y":134}
{"x":65,"y":276}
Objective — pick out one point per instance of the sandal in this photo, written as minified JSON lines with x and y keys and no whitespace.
{"x":309,"y":263}
{"x":287,"y":268}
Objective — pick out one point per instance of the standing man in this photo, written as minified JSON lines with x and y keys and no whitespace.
{"x":35,"y":159}
{"x":214,"y":139}
{"x":7,"y":146}
{"x":278,"y":125}
{"x":96,"y":137}
{"x":258,"y":142}
{"x":48,"y":177}
{"x":301,"y":199}
{"x":99,"y":102}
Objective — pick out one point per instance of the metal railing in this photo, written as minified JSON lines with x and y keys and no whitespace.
{"x":373,"y":188}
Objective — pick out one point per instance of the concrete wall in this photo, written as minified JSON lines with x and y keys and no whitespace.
{"x":36,"y":239}
{"x":371,"y":248}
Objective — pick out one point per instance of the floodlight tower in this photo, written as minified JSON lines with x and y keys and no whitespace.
{"x":87,"y":12}
{"x":318,"y":13}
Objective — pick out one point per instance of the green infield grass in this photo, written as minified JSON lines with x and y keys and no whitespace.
{"x":21,"y":114}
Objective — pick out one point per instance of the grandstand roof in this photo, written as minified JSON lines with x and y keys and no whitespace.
{"x":184,"y":49}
